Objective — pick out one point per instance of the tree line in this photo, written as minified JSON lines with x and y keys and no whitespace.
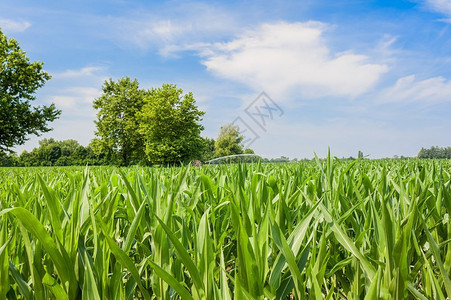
{"x":51,"y":152}
{"x":54,"y":153}
{"x":435,"y":152}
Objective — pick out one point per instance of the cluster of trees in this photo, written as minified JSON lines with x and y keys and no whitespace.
{"x":435,"y":152}
{"x":155,"y":126}
{"x":54,"y":153}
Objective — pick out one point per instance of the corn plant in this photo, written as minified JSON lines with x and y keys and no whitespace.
{"x":325,"y":229}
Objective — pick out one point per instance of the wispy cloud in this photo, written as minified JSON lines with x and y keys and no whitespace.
{"x":286,"y":57}
{"x":86,"y":71}
{"x":193,"y":22}
{"x":440,"y":6}
{"x":74,"y":90}
{"x":77,"y":97}
{"x":408,"y":90}
{"x":14,"y":25}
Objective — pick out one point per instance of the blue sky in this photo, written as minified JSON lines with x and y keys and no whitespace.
{"x":355,"y":75}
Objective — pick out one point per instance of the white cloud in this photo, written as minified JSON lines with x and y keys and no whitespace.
{"x":13,"y":25}
{"x":64,"y":102}
{"x":408,"y":89}
{"x":86,"y":71}
{"x":73,"y":90}
{"x":193,"y":22}
{"x":71,"y":98}
{"x":440,"y":6}
{"x":291,"y":57}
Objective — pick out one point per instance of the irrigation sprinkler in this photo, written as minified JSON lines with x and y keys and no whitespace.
{"x":229,"y":157}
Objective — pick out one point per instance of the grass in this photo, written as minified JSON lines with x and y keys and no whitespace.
{"x":326,"y":229}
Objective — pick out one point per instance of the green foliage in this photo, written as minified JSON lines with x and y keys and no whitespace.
{"x":8,"y":160}
{"x":281,"y":159}
{"x":169,"y":124}
{"x":117,"y":123}
{"x":208,"y":149}
{"x":54,"y":153}
{"x":19,"y":80}
{"x":137,"y":126}
{"x":248,"y":151}
{"x":228,"y":141}
{"x":324,"y":229}
{"x":435,"y":152}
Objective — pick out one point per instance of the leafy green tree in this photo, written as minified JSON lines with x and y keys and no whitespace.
{"x":19,"y":80}
{"x":54,"y":153}
{"x":208,"y":150}
{"x":117,"y":124}
{"x":169,"y":123}
{"x":48,"y":152}
{"x":8,"y":160}
{"x":228,"y":141}
{"x":250,"y":159}
{"x":68,"y":147}
{"x":249,"y":151}
{"x":26,"y":159}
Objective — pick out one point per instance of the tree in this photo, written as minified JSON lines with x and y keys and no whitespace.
{"x":117,"y":123}
{"x":19,"y":80}
{"x":68,"y":147}
{"x":169,"y":124}
{"x":228,"y":141}
{"x":249,"y":151}
{"x":208,"y":149}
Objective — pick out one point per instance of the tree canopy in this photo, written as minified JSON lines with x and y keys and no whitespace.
{"x":160,"y":125}
{"x":19,"y":80}
{"x":169,"y":124}
{"x":228,"y":141}
{"x":117,"y":123}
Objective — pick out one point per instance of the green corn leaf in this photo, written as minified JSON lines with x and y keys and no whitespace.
{"x":90,"y":291}
{"x":32,"y":224}
{"x":124,"y":260}
{"x":4,"y":265}
{"x":54,"y":287}
{"x":185,"y":257}
{"x":169,"y":279}
{"x":347,"y":243}
{"x":133,"y":227}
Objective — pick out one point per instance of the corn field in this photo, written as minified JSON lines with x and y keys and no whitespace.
{"x":326,"y":229}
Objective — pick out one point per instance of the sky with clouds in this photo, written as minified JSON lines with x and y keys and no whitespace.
{"x":353,"y":75}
